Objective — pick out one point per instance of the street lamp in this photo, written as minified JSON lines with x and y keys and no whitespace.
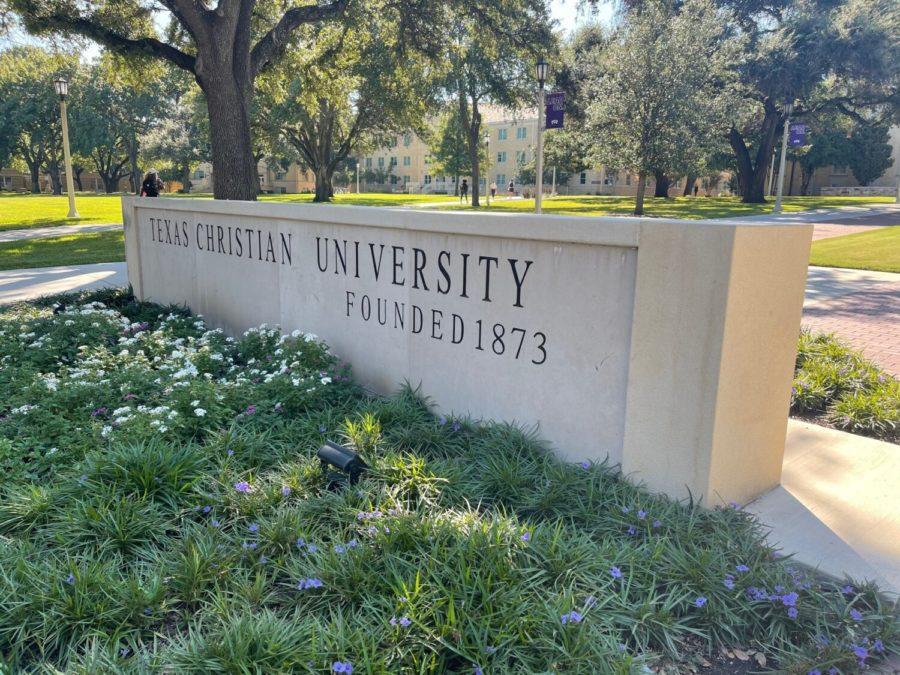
{"x":61,"y":85}
{"x":788,"y":109}
{"x":541,"y":69}
{"x":487,"y":167}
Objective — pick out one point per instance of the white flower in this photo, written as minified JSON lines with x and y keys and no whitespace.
{"x":325,"y":380}
{"x":195,"y":403}
{"x":199,"y":412}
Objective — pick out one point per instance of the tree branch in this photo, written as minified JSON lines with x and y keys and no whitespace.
{"x":273,"y":43}
{"x":117,"y":42}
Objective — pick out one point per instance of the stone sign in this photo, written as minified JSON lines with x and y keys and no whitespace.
{"x":579,"y":327}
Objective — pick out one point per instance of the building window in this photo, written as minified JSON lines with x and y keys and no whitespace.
{"x":394,"y":180}
{"x":368,"y":162}
{"x":501,"y":157}
{"x":393,"y":161}
{"x":381,"y":162}
{"x":407,"y":160}
{"x":520,"y":156}
{"x":501,"y":134}
{"x":7,"y":182}
{"x":582,"y":178}
{"x":427,"y":179}
{"x":501,"y":179}
{"x":279,"y":175}
{"x":405,"y":179}
{"x":407,"y":139}
{"x":522,"y":133}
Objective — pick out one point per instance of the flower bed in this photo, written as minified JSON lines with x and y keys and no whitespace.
{"x":836,"y":386}
{"x":163,"y":510}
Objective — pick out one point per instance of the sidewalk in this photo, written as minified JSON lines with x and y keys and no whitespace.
{"x":18,"y":285}
{"x":860,"y":307}
{"x":54,"y":231}
{"x":837,"y":506}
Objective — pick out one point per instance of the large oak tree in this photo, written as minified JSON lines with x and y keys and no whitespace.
{"x":226,"y":44}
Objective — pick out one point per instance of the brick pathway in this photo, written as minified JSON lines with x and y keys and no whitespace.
{"x":860,"y":307}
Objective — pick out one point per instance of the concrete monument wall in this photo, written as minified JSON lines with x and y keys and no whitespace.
{"x":666,"y":346}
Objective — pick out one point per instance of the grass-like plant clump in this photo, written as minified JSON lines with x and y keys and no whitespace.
{"x":837,"y":384}
{"x":163,"y":511}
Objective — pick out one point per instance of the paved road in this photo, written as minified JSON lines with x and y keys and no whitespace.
{"x":861,"y":307}
{"x":17,"y":285}
{"x":54,"y":231}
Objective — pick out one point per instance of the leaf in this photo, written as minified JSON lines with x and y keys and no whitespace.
{"x":742,"y":655}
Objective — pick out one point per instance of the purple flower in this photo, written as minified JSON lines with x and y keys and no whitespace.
{"x":856,"y":615}
{"x":310,"y":582}
{"x":215,"y":523}
{"x":571,"y":617}
{"x":278,"y":407}
{"x":442,"y":420}
{"x":83,"y":478}
{"x":789,"y":599}
{"x":70,"y":579}
{"x":792,"y":612}
{"x":616,"y":572}
{"x":742,"y":568}
{"x":641,"y":514}
{"x":847,"y":590}
{"x":263,"y":559}
{"x":312,"y":548}
{"x":632,"y":530}
{"x":490,"y":650}
{"x":251,"y":410}
{"x":286,"y":491}
{"x":814,"y":671}
{"x":405,"y":622}
{"x":700,"y":601}
{"x":878,"y":646}
{"x":242,"y":486}
{"x":861,"y":653}
{"x":125,"y":651}
{"x":734,"y":505}
{"x":589,"y":602}
{"x":476,"y":669}
{"x":339,"y":549}
{"x":207,"y":508}
{"x":625,"y":509}
{"x":230,"y":452}
{"x":322,"y":429}
{"x":456,"y":426}
{"x":728,"y":582}
{"x":657,"y":523}
{"x":526,"y":537}
{"x":585,"y":465}
{"x":342,"y":667}
{"x":253,"y":527}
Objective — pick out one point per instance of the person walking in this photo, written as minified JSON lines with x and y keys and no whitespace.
{"x":464,"y":191}
{"x":493,"y":190}
{"x":695,"y":189}
{"x":151,"y":185}
{"x":511,"y":189}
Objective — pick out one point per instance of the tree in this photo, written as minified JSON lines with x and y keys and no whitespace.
{"x":346,"y":90}
{"x":819,"y":55}
{"x":29,"y":108}
{"x":449,"y":146}
{"x":226,"y":45}
{"x":491,"y":66}
{"x":562,"y":151}
{"x":870,"y":154}
{"x":655,"y":104}
{"x":827,"y":145}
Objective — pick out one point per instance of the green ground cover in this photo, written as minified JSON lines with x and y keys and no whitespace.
{"x":72,"y":249}
{"x":26,"y":211}
{"x":877,"y":250}
{"x":163,"y":511}
{"x":836,"y":385}
{"x":676,"y":207}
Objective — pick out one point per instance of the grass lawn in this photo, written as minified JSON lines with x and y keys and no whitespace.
{"x":73,"y":249}
{"x":677,"y":207}
{"x":26,"y":211}
{"x":874,"y":250}
{"x":162,"y":510}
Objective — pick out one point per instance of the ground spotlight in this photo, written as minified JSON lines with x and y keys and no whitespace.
{"x":348,"y":463}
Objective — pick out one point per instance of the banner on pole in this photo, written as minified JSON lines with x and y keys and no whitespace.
{"x":554,"y":108}
{"x":796,"y":135}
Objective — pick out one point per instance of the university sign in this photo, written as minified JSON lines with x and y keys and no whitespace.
{"x":615,"y":338}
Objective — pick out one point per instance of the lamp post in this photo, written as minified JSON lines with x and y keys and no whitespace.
{"x":788,"y":109}
{"x":540,"y":70}
{"x":61,"y":85}
{"x":487,"y":167}
{"x":357,"y":175}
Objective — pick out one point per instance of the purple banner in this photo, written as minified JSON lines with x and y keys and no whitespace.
{"x":796,"y":135}
{"x":554,"y":107}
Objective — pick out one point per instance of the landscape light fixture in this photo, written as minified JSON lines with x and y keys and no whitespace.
{"x":541,"y":69}
{"x":61,"y":85}
{"x":348,"y":463}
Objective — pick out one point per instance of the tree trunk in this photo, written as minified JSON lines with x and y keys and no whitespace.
{"x":639,"y":195}
{"x":35,"y":171}
{"x":76,"y":174}
{"x":110,"y":183}
{"x":186,"y":178}
{"x":228,"y":102}
{"x":752,"y":171}
{"x":324,"y":187}
{"x":135,"y":177}
{"x":55,"y":178}
{"x":689,"y":185}
{"x":662,"y":184}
